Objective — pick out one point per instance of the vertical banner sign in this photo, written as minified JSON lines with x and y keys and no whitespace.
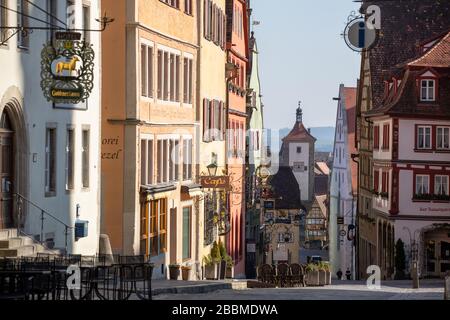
{"x":67,"y":69}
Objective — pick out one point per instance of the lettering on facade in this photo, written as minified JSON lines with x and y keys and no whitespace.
{"x":215,"y":182}
{"x":113,"y":155}
{"x":442,"y":210}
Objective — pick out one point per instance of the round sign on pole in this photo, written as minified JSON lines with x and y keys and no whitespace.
{"x":358,"y":36}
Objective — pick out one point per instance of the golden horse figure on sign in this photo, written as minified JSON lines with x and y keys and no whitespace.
{"x":69,"y":66}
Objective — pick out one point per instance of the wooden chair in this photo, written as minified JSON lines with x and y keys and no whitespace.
{"x":282,"y":277}
{"x":266,"y":274}
{"x":295,"y":274}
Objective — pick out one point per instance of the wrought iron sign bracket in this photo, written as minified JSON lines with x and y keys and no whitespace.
{"x":104,"y":21}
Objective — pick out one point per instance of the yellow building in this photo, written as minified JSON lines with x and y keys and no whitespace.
{"x":150,"y":122}
{"x":212,"y":93}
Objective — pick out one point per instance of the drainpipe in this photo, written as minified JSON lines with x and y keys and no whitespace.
{"x":198,"y":129}
{"x":354,"y":157}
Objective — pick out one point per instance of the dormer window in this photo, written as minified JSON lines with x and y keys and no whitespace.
{"x":427,"y":90}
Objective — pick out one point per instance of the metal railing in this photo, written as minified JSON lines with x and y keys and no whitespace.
{"x":20,"y":200}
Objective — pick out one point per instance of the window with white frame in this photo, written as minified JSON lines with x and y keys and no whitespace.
{"x":52,"y":18}
{"x":299,"y":166}
{"x":441,"y":185}
{"x":168,"y":160}
{"x":424,"y":137}
{"x":427,"y":90}
{"x":85,"y":155}
{"x":146,"y":161}
{"x":3,"y":20}
{"x":50,"y":161}
{"x":147,"y":70}
{"x":86,"y":21}
{"x":168,"y":76}
{"x":23,"y":40}
{"x":442,"y":136}
{"x":188,"y":7}
{"x":70,"y":158}
{"x":187,"y":159}
{"x":172,"y":3}
{"x":187,"y":83}
{"x":422,"y":184}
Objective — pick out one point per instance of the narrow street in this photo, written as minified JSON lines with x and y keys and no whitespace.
{"x":344,"y":290}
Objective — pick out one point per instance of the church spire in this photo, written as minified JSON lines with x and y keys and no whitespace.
{"x":299,"y":113}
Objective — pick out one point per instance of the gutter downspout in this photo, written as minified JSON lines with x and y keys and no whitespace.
{"x":198,"y":128}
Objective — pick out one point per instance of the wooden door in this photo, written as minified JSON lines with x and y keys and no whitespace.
{"x":6,"y":179}
{"x":173,"y":236}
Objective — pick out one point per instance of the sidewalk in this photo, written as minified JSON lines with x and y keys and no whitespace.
{"x":194,"y":287}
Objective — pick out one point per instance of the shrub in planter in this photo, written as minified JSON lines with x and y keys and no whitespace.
{"x":185,"y":272}
{"x":229,"y":264}
{"x":326,"y":267}
{"x":174,"y":271}
{"x":312,"y":275}
{"x":209,"y":268}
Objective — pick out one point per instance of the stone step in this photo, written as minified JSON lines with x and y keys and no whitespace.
{"x":11,"y":243}
{"x":24,"y":251}
{"x":5,"y":234}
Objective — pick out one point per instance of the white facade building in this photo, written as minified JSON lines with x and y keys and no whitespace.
{"x":342,"y":187}
{"x":52,"y":151}
{"x":297,"y":152}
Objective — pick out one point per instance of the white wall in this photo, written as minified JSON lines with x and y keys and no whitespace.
{"x":407,"y":136}
{"x":301,"y":177}
{"x":23,"y":69}
{"x":408,"y":207}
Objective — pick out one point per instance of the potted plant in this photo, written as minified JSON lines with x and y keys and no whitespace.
{"x":210,"y":268}
{"x":222,"y":261}
{"x":185,"y":272}
{"x":174,"y":271}
{"x":312,"y":275}
{"x":229,"y":264}
{"x":322,"y":274}
{"x":326,"y":267}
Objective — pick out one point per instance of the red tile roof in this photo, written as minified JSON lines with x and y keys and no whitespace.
{"x":438,"y":56}
{"x":299,"y":133}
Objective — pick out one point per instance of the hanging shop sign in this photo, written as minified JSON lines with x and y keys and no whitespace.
{"x":222,"y":182}
{"x":67,"y":69}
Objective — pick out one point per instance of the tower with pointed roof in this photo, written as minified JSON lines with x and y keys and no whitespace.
{"x":297,"y":152}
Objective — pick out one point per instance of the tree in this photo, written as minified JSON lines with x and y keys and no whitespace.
{"x":400,"y":263}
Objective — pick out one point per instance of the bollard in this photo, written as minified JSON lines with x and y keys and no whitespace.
{"x":415,"y":276}
{"x":447,"y":286}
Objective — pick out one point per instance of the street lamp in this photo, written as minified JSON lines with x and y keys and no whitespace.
{"x":212,"y":169}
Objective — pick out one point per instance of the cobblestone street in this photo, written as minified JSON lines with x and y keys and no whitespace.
{"x":345,"y":290}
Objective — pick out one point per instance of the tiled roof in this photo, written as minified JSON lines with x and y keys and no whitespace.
{"x":406,"y":24}
{"x":438,"y":56}
{"x":285,"y":187}
{"x":323,"y":168}
{"x":299,"y":133}
{"x":404,"y":102}
{"x":321,"y":201}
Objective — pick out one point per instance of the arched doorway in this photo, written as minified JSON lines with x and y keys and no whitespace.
{"x":6,"y":171}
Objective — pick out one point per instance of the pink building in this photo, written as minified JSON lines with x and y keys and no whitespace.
{"x":411,"y":155}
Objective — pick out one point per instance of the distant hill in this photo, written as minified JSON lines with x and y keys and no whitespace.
{"x":324,"y":136}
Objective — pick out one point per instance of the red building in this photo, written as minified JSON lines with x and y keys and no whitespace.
{"x":237,"y":56}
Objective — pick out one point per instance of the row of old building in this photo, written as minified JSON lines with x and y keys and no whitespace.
{"x":389,"y":188}
{"x":157,"y":158}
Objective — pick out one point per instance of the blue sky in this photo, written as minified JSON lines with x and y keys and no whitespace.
{"x":303,"y":57}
